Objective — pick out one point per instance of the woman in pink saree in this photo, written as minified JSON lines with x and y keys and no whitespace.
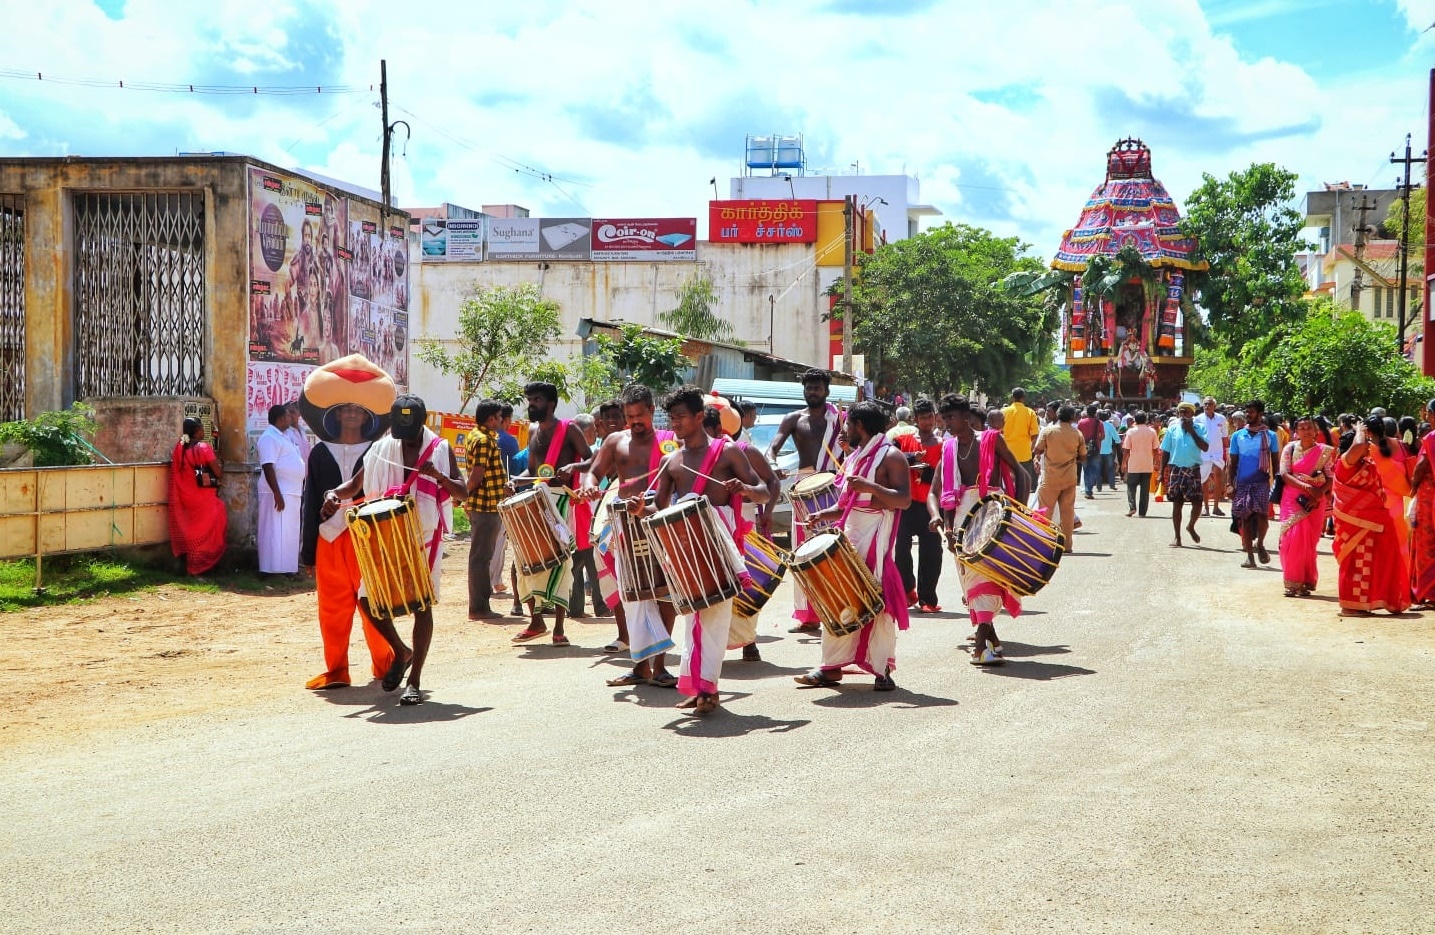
{"x":198,"y":519}
{"x":1422,"y":539}
{"x":1373,"y":572}
{"x":1305,"y":467}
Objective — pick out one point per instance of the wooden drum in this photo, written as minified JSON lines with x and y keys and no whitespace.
{"x":697,"y":554}
{"x":388,"y":543}
{"x":844,"y":593}
{"x":640,"y":577}
{"x":536,"y":531}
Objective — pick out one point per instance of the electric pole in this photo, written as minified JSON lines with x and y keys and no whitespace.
{"x":847,"y":209}
{"x":1357,"y":285}
{"x":388,"y":137}
{"x":1407,"y":161}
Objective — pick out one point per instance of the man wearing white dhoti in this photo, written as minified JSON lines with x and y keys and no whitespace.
{"x":282,"y":487}
{"x":876,"y":488}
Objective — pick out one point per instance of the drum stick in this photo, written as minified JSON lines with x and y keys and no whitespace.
{"x":701,"y":474}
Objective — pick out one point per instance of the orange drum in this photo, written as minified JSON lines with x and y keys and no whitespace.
{"x":640,"y":577}
{"x":388,"y":544}
{"x":536,"y":531}
{"x":843,"y":592}
{"x":697,"y":554}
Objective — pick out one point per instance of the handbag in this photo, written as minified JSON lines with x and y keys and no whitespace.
{"x":1278,"y":488}
{"x":204,"y":477}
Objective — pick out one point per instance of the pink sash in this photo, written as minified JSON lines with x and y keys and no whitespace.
{"x":425,"y":486}
{"x":951,"y":490}
{"x":987,"y":462}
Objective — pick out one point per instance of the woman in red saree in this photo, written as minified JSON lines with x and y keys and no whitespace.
{"x":197,"y":517}
{"x":1388,"y":456}
{"x":1373,"y":572}
{"x":1305,"y":466}
{"x":1422,"y":539}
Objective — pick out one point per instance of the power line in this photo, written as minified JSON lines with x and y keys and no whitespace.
{"x":184,"y":87}
{"x":506,"y":162}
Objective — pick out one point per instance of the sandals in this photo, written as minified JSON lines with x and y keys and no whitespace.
{"x":817,"y":679}
{"x":615,"y":647}
{"x":665,"y":680}
{"x":411,"y":696}
{"x":528,"y":636}
{"x":561,"y":640}
{"x":1263,"y":555}
{"x":395,"y":675}
{"x":627,"y":680}
{"x":884,"y":683}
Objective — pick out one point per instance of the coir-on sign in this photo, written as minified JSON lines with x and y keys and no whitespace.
{"x":762,"y":221}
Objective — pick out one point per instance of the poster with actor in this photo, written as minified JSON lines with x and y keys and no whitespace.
{"x":297,"y":275}
{"x":379,"y":291}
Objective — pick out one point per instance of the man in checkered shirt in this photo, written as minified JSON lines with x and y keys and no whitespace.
{"x":486,"y":481}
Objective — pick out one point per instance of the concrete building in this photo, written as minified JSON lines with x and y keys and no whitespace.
{"x":1379,"y":295}
{"x":209,"y":285}
{"x":1331,"y":219}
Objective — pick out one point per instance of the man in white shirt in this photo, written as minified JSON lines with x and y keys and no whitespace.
{"x":280,"y":487}
{"x":1213,"y":459}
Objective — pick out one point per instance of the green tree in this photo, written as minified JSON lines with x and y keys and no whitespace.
{"x":1395,"y":219}
{"x":503,"y":334}
{"x":636,"y":357}
{"x":58,"y":438}
{"x":933,"y":309}
{"x":1215,"y":372}
{"x":694,"y":315}
{"x":1247,"y":231}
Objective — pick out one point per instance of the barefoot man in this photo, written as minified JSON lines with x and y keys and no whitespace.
{"x":632,"y":456}
{"x":717,"y":469}
{"x":815,"y":432}
{"x":555,"y":446}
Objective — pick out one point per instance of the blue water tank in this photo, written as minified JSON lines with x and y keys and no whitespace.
{"x":789,"y":153}
{"x":761,"y":153}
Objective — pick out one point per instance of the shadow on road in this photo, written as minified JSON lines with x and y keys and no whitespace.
{"x":737,"y":670}
{"x":1017,"y":650}
{"x":723,"y":723}
{"x":1085,"y":554}
{"x":428,"y":712}
{"x":1036,"y":671}
{"x":862,"y":696}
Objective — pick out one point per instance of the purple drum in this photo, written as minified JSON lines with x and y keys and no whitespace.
{"x":766,"y":566}
{"x":812,"y":493}
{"x":1003,"y":540}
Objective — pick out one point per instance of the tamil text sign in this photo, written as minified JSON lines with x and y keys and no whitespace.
{"x":758,"y":221}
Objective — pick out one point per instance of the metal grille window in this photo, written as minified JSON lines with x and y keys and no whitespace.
{"x":12,"y":308}
{"x":139,"y":294}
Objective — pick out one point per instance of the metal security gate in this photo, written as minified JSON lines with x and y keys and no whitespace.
{"x":12,"y":308}
{"x":139,"y":294}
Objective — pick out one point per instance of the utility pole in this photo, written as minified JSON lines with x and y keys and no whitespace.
{"x":1357,"y":285}
{"x":388,"y":137}
{"x":847,"y":209}
{"x":1407,"y":161}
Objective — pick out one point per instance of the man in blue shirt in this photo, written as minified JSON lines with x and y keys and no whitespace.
{"x":1255,"y":451}
{"x":1181,"y":456}
{"x":507,"y":451}
{"x":1109,"y":439}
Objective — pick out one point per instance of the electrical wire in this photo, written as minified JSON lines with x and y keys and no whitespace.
{"x":183,"y":87}
{"x":506,"y":162}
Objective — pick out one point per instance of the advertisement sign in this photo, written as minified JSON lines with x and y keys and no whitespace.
{"x":539,"y":238}
{"x":762,"y":221}
{"x":270,"y":384}
{"x":452,"y":239}
{"x":324,"y":280}
{"x":644,"y":239}
{"x":454,"y":429}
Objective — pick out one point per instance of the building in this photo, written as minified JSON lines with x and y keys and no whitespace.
{"x":209,"y":285}
{"x":1332,"y":216}
{"x":1375,"y":294}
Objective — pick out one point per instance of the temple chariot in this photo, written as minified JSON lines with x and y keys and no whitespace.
{"x":1125,"y":319}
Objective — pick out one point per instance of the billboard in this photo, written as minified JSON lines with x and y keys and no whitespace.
{"x":762,"y":221}
{"x":444,"y":239}
{"x":644,"y":239}
{"x":539,"y":238}
{"x":324,"y":280}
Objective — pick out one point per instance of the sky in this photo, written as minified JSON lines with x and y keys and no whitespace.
{"x":1003,"y":111}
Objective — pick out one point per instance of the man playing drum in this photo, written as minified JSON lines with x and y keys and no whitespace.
{"x":633,"y":456}
{"x":969,"y":468}
{"x":414,"y":461}
{"x":815,"y":431}
{"x":554,"y":446}
{"x":719,"y":470}
{"x":877,"y":489}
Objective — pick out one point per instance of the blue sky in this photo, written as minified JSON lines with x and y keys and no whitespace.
{"x":1004,"y":111}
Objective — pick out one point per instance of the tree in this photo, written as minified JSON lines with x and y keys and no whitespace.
{"x":657,"y":363}
{"x":1245,"y":229}
{"x":934,"y":309}
{"x":694,"y":315}
{"x":1395,"y":220}
{"x":503,"y":335}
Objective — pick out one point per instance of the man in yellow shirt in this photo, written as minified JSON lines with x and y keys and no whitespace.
{"x":1020,"y":431}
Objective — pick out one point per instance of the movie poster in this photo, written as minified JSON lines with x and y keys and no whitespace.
{"x":325,"y":281}
{"x":270,"y":384}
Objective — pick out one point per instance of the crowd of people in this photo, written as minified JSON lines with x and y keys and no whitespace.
{"x":901,"y":482}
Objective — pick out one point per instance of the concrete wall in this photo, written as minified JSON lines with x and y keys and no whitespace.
{"x":743,"y":275}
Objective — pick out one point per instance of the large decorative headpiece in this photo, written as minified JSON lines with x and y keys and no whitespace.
{"x":348,"y":381}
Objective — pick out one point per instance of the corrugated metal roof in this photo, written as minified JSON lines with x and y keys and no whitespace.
{"x":769,"y":391}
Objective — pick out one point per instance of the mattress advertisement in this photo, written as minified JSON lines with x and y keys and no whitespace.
{"x":644,"y":239}
{"x":530,"y":239}
{"x":452,"y":239}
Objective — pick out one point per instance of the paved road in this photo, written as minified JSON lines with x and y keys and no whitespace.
{"x":1173,"y":748}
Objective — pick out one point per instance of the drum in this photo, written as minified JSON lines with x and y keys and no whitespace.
{"x":1003,"y":540}
{"x":697,"y":554}
{"x":536,"y":531}
{"x":640,"y":577}
{"x":812,"y":493}
{"x":766,"y":564}
{"x":388,"y":544}
{"x":842,"y":590}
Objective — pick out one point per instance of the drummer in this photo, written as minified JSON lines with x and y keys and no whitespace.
{"x":410,"y":460}
{"x":969,"y":469}
{"x":717,"y":469}
{"x":633,"y":457}
{"x":816,"y":431}
{"x":877,"y":489}
{"x":724,"y":420}
{"x":555,"y":448}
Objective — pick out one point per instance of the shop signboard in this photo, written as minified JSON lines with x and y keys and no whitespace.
{"x":530,"y":239}
{"x":762,"y":221}
{"x":644,"y":239}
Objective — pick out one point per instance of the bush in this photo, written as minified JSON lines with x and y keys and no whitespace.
{"x":57,"y":438}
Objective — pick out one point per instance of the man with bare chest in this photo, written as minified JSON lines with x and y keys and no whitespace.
{"x":632,"y":457}
{"x":717,"y":469}
{"x":555,"y":446}
{"x":815,"y":432}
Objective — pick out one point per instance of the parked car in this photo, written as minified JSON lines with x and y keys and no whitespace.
{"x":762,"y":435}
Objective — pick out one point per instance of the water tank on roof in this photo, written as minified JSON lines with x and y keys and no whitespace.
{"x":761,"y":153}
{"x":789,"y":153}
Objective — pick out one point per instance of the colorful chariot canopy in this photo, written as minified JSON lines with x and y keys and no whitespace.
{"x":1131,"y":209}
